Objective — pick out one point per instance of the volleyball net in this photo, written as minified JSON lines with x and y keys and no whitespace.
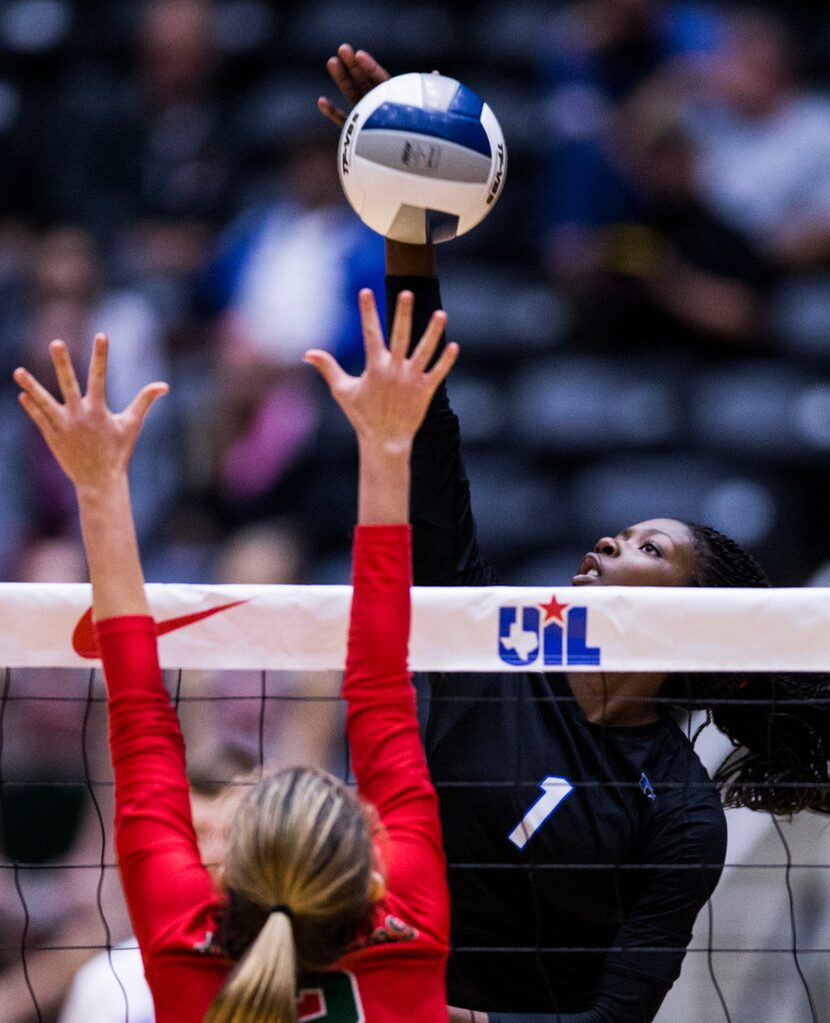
{"x":255,"y":674}
{"x":478,"y":629}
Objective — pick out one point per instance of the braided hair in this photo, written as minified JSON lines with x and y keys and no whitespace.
{"x":779,"y":723}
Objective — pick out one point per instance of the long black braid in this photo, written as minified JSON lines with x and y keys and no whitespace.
{"x":779,"y":723}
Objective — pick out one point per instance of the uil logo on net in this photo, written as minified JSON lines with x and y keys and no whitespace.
{"x":551,"y":634}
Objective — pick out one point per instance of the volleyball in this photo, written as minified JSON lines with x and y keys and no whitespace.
{"x":422,"y":158}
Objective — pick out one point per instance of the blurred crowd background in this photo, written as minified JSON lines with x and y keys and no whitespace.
{"x":644,"y":321}
{"x":644,"y":318}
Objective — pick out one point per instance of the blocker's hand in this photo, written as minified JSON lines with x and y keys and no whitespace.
{"x":91,"y":444}
{"x":354,"y":73}
{"x":387,"y":403}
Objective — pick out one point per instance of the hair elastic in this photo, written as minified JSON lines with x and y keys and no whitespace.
{"x":280,"y":907}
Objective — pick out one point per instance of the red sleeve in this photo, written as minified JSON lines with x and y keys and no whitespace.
{"x":382,"y":724}
{"x":163,"y":877}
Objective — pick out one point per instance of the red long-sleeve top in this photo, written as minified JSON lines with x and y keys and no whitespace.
{"x":395,"y":971}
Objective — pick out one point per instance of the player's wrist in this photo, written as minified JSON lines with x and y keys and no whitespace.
{"x":104,"y":488}
{"x":393,"y":450}
{"x":403,"y":260}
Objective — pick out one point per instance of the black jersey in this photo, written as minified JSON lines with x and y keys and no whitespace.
{"x":579,"y":855}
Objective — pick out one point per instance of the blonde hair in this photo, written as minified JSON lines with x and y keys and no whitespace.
{"x":298,"y":868}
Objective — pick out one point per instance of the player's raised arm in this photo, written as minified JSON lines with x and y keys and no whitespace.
{"x":444,"y":545}
{"x":355,"y":73}
{"x":93,"y":446}
{"x":387,"y":403}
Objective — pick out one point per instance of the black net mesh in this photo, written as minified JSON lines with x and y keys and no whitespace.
{"x":760,"y":948}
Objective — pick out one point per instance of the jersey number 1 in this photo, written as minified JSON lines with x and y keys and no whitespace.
{"x":554,"y":790}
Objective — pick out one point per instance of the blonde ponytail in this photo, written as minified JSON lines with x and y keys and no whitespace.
{"x":298,"y":868}
{"x":262,"y":988}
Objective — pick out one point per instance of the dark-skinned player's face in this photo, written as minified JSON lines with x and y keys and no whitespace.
{"x":658,"y":552}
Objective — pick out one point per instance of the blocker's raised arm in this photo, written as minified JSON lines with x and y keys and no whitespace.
{"x":93,"y":446}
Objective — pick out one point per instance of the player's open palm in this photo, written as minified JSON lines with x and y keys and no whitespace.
{"x":91,"y":444}
{"x":387,"y":403}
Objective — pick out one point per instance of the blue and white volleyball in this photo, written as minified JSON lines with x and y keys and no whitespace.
{"x":422,"y":159}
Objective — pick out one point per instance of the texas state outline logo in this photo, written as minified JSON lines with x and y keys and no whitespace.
{"x":556,"y":631}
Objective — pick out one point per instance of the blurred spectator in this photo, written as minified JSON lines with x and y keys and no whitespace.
{"x":765,"y":140}
{"x":300,"y":720}
{"x":672,"y":270}
{"x":71,"y":300}
{"x":55,"y":559}
{"x":18,"y":248}
{"x":14,"y":504}
{"x":55,"y":746}
{"x":152,"y":145}
{"x":598,"y":52}
{"x":108,"y":987}
{"x":111,"y":986}
{"x":55,"y":814}
{"x":68,"y":298}
{"x":146,"y":130}
{"x":184,"y":114}
{"x":102,"y":985}
{"x":145,"y":145}
{"x":266,"y":553}
{"x":286,"y":279}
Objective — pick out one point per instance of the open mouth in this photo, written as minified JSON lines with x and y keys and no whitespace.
{"x":589,"y":570}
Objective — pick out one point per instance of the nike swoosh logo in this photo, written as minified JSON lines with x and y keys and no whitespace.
{"x":85,"y":644}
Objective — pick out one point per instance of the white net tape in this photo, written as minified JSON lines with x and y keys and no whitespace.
{"x":773,"y":899}
{"x":454,"y":629}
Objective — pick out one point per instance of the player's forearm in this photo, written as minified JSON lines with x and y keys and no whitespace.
{"x":112,"y":549}
{"x":410,"y":260}
{"x":383,"y":483}
{"x":444,"y":530}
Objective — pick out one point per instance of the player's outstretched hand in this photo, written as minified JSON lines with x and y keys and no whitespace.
{"x":387,"y":403}
{"x":354,"y":72}
{"x":91,"y":444}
